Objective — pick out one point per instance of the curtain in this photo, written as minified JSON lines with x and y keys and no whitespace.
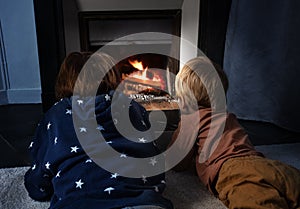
{"x":261,"y":56}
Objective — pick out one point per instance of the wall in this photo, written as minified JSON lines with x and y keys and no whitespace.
{"x":19,"y":63}
{"x":189,"y":30}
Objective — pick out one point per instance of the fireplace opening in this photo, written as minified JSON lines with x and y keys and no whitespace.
{"x":146,"y":80}
{"x":143,"y":73}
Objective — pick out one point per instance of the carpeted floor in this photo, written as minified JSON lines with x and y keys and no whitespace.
{"x":12,"y":192}
{"x":184,"y":189}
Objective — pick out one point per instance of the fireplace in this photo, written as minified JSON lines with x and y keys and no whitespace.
{"x":146,"y":76}
{"x":145,"y":79}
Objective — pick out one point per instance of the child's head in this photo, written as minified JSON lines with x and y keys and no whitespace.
{"x":99,"y":73}
{"x":193,"y":82}
{"x":68,"y":73}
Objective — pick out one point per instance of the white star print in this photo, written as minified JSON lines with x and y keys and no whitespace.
{"x":42,"y":189}
{"x":107,"y":97}
{"x":123,"y":156}
{"x":47,"y":165}
{"x":163,"y":182}
{"x":74,"y":149}
{"x":144,"y":178}
{"x":58,"y":174}
{"x":142,"y":140}
{"x":33,"y":167}
{"x":48,"y":125}
{"x":114,"y":176}
{"x":31,"y":144}
{"x":79,"y":184}
{"x":143,"y":122}
{"x":88,"y":161}
{"x":82,"y":129}
{"x":100,"y":128}
{"x":55,"y":140}
{"x":109,"y":142}
{"x":109,"y":189}
{"x":156,"y":189}
{"x":153,"y":161}
{"x":68,"y":112}
{"x":79,"y":101}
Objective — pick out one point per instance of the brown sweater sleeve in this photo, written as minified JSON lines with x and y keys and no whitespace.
{"x":189,"y":160}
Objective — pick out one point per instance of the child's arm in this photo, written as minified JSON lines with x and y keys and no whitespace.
{"x":37,"y":179}
{"x":39,"y":187}
{"x":188,"y":161}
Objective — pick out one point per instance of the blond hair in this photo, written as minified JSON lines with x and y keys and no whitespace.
{"x":197,"y":81}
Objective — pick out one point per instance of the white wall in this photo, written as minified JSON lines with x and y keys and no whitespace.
{"x":189,"y":30}
{"x":21,"y":78}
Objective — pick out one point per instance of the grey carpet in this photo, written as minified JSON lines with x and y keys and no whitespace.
{"x":184,"y":189}
{"x":12,"y":192}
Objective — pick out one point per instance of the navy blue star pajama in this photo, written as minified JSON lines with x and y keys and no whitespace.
{"x":64,"y":174}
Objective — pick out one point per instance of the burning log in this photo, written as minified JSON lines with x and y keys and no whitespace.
{"x":143,"y":82}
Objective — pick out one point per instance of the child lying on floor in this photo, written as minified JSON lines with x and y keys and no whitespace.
{"x":227,"y":164}
{"x":65,"y":169}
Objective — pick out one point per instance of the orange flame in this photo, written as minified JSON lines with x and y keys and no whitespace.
{"x":139,"y":65}
{"x":136,"y":64}
{"x":142,"y":73}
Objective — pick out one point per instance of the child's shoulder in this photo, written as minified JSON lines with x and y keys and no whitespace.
{"x":59,"y":108}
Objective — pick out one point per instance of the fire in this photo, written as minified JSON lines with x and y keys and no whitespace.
{"x":139,"y":65}
{"x":136,"y":64}
{"x":151,"y":78}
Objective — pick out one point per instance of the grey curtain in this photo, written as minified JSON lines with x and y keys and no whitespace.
{"x":262,"y":54}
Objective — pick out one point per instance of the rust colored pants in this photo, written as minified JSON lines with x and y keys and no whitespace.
{"x":258,"y":183}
